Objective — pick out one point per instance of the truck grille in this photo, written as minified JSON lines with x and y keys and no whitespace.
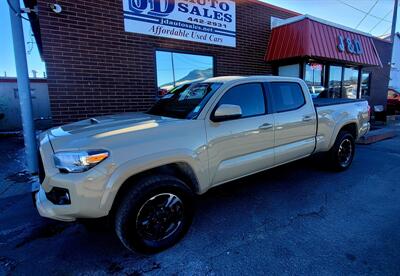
{"x":41,"y":172}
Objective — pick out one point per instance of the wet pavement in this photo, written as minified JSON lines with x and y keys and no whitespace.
{"x":296,"y":219}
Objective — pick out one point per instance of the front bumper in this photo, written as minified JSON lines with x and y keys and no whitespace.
{"x":85,"y":190}
{"x":46,"y":208}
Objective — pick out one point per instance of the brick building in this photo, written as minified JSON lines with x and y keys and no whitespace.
{"x":95,"y":66}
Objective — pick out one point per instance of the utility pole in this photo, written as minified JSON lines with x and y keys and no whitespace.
{"x":394,"y":21}
{"x":173,"y":68}
{"x":24,"y":91}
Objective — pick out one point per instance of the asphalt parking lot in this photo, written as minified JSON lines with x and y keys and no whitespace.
{"x":296,"y":219}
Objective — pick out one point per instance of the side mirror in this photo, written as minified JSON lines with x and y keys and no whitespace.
{"x":227,"y":112}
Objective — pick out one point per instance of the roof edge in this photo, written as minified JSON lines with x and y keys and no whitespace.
{"x":323,"y":21}
{"x":275,"y":7}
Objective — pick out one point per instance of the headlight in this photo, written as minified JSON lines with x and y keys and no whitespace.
{"x":78,"y":161}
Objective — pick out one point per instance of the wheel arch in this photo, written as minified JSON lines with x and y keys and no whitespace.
{"x":180,"y":170}
{"x":351,"y":127}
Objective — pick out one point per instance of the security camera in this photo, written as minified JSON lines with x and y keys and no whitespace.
{"x":56,"y":8}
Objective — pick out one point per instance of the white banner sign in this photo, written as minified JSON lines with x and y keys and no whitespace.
{"x":206,"y":21}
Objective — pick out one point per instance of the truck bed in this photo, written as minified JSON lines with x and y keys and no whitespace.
{"x":319,"y":102}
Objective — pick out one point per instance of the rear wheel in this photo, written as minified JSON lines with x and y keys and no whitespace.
{"x":342,"y":153}
{"x":155,"y":214}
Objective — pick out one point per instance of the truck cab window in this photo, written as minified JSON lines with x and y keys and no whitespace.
{"x":286,"y":96}
{"x":250,"y":98}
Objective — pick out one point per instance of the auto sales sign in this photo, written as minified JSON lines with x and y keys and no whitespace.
{"x":206,"y":21}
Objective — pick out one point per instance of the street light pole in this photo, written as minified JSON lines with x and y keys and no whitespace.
{"x":24,"y":92}
{"x":394,"y":21}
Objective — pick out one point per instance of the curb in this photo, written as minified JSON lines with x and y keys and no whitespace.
{"x":376,"y":136}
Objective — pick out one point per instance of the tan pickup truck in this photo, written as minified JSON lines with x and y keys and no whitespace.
{"x":142,"y":170}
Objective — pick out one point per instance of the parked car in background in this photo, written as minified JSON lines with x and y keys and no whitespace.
{"x":142,"y":170}
{"x":393,"y":101}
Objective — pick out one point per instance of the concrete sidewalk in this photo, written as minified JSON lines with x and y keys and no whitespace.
{"x":378,"y":134}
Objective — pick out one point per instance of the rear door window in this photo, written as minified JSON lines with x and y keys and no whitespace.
{"x":286,"y":96}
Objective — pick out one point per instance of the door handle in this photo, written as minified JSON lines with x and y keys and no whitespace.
{"x":307,"y":118}
{"x":265,"y":126}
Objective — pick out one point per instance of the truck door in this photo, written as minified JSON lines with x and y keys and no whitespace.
{"x":295,"y":121}
{"x":244,"y":145}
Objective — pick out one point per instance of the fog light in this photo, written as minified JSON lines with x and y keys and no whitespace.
{"x":59,"y":196}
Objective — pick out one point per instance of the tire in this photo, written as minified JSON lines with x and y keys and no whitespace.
{"x":143,"y":225}
{"x":342,"y":153}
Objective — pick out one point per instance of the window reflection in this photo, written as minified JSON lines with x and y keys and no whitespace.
{"x":350,"y":78}
{"x":176,"y":69}
{"x":335,"y":82}
{"x":365,"y":81}
{"x":313,"y":77}
{"x":292,"y":70}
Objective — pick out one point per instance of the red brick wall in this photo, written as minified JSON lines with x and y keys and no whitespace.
{"x":94,"y":67}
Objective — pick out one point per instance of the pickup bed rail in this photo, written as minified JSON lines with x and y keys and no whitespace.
{"x":318,"y":102}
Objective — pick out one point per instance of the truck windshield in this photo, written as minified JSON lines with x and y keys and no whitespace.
{"x":185,"y":103}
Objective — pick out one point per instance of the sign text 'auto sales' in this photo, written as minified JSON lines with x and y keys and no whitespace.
{"x":206,"y":21}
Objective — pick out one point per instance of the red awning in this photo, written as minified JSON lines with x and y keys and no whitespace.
{"x":313,"y":38}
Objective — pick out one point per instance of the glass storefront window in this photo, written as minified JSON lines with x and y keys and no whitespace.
{"x":314,"y":73}
{"x":334,"y":82}
{"x":175,"y":69}
{"x":365,"y":81}
{"x":350,"y":81}
{"x":292,"y":70}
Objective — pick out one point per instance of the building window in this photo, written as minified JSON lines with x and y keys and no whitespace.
{"x":365,"y":84}
{"x":289,"y":71}
{"x":334,"y":82}
{"x":174,"y":69}
{"x":314,"y":76}
{"x":350,"y":82}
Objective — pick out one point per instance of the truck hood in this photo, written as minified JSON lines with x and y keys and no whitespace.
{"x":76,"y":134}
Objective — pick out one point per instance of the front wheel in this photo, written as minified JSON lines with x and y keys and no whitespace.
{"x":155,"y":214}
{"x":342,"y":153}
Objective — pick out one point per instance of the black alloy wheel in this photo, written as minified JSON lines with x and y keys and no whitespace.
{"x":160,"y":217}
{"x":154,"y":214}
{"x":342,"y":153}
{"x":345,"y":152}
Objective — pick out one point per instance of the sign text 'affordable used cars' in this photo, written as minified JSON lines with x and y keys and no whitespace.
{"x":206,"y":21}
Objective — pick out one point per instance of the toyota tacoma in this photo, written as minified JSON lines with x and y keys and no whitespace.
{"x":143,"y":170}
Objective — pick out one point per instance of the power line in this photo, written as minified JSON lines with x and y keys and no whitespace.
{"x":380,"y":21}
{"x":365,"y":16}
{"x":387,"y":31}
{"x":360,"y":10}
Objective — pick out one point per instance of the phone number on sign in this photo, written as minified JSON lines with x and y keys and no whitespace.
{"x":206,"y":22}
